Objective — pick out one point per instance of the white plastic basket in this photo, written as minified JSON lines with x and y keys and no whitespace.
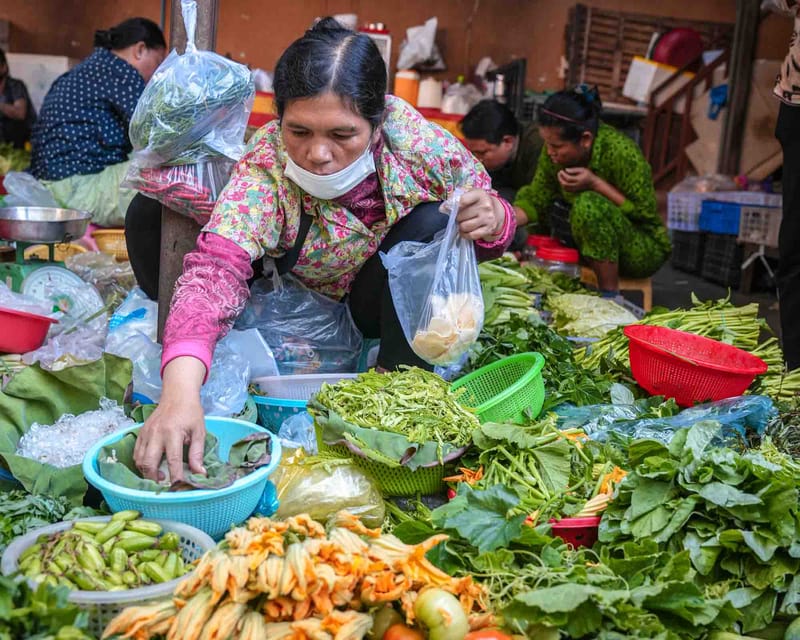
{"x":760,"y":225}
{"x":683,"y":207}
{"x":102,"y":606}
{"x":299,"y":387}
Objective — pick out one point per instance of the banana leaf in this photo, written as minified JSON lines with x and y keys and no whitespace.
{"x":36,"y":395}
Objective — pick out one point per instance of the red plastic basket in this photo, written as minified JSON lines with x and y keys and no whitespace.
{"x":579,"y":532}
{"x":688,"y":367}
{"x":21,"y":332}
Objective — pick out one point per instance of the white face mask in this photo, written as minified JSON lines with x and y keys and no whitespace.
{"x":334,"y":184}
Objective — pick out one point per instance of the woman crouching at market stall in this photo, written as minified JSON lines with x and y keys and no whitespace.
{"x":600,"y":177}
{"x":80,"y":142}
{"x":345,"y":172}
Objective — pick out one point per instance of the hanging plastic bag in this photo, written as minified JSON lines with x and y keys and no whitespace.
{"x":195,"y":106}
{"x":188,"y":189}
{"x":436,"y":291}
{"x":306,"y":331}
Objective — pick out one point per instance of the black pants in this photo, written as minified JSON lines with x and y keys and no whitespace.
{"x":788,"y":134}
{"x":143,"y":237}
{"x":370,"y":299}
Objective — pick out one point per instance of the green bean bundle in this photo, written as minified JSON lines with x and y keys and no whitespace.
{"x":412,"y":402}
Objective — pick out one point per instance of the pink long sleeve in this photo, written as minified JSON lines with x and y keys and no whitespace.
{"x":209,"y":295}
{"x":491,"y":250}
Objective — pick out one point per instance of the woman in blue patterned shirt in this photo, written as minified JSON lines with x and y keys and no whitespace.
{"x":80,"y":141}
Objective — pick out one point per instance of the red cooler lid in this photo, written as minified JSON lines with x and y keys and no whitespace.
{"x":558,"y":254}
{"x":542,"y":241}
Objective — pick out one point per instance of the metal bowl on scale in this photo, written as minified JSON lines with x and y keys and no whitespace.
{"x":42,"y":224}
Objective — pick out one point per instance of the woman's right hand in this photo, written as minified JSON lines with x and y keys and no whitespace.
{"x":177,"y":421}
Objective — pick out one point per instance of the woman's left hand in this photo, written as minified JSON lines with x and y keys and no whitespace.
{"x":577,"y":179}
{"x":480,"y":216}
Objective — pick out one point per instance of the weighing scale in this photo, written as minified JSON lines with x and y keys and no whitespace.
{"x":28,"y":226}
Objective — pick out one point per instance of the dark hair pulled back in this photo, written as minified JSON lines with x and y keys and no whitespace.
{"x":331,"y":58}
{"x":130,"y":32}
{"x":489,"y":120}
{"x":572,"y":111}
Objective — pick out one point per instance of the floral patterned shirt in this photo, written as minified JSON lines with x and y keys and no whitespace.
{"x":260,"y":208}
{"x":787,"y":85}
{"x":259,"y":213}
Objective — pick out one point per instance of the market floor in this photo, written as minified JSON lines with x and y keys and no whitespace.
{"x":673,"y":289}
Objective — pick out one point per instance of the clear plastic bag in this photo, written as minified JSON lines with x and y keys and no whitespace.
{"x":297,"y":432}
{"x":188,"y":189}
{"x":113,"y":280}
{"x":225,"y":391}
{"x":20,"y":302}
{"x":736,"y":415}
{"x":306,"y":331}
{"x":195,"y":106}
{"x":26,"y":191}
{"x":322,"y":487}
{"x":436,"y":291}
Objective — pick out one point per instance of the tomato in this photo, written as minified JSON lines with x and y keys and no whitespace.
{"x":441,"y":614}
{"x":451,"y":493}
{"x":487,"y":634}
{"x":382,"y":620}
{"x":402,"y":632}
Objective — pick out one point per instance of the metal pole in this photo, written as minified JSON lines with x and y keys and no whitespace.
{"x":179,"y":233}
{"x":748,"y":15}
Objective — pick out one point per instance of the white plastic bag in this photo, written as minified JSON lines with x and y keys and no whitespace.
{"x":436,"y":292}
{"x":419,"y":50}
{"x":26,"y":191}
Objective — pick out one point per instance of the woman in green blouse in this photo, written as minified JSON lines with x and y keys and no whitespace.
{"x":607,"y":184}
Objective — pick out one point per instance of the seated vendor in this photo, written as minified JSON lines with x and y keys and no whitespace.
{"x":17,"y":114}
{"x":607,"y":186}
{"x":80,"y":142}
{"x":507,"y":150}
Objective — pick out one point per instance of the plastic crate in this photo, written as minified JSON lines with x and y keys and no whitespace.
{"x":720,"y":217}
{"x":760,"y":225}
{"x":684,"y":207}
{"x":687,"y":250}
{"x":286,"y":396}
{"x":722,"y":260}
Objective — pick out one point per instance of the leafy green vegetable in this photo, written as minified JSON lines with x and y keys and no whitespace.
{"x":21,"y":512}
{"x":480,"y":517}
{"x":565,"y":380}
{"x":585,"y":316}
{"x":40,"y":614}
{"x":734,"y":514}
{"x":12,"y":159}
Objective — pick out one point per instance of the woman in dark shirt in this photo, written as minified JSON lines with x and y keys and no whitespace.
{"x":80,"y":142}
{"x":16,"y":111}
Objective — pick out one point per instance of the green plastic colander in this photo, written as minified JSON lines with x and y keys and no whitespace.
{"x":395,"y":481}
{"x":509,"y":390}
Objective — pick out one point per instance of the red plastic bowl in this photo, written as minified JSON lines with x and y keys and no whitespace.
{"x":579,"y":532}
{"x":688,"y":367}
{"x":21,"y":332}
